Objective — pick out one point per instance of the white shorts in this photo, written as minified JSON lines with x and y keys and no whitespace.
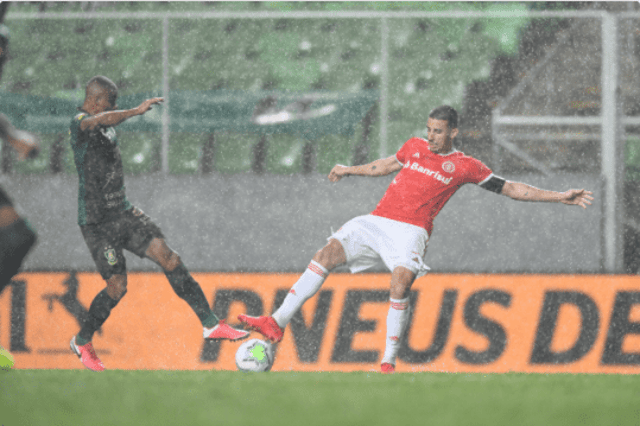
{"x":371,"y":240}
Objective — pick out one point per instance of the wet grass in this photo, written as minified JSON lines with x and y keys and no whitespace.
{"x":52,"y":397}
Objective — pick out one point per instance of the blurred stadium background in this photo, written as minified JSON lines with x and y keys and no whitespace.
{"x":263,"y":98}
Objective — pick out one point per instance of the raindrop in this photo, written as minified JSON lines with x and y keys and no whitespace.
{"x":287,"y":161}
{"x":305,"y":45}
{"x":410,"y":87}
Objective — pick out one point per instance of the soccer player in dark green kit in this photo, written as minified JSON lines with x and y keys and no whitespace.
{"x":109,"y":223}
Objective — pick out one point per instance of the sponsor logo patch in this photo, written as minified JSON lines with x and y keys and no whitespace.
{"x":431,"y":173}
{"x":448,"y":167}
{"x":109,"y":133}
{"x":110,"y":254}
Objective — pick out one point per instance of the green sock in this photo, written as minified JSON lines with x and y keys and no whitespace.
{"x":211,"y":321}
{"x":190,"y":291}
{"x":80,"y":341}
{"x":99,"y":311}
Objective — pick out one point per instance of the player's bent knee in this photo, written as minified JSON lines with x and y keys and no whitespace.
{"x":405,"y":275}
{"x":162,"y":254}
{"x":116,"y":293}
{"x":401,"y":281}
{"x":117,"y":287}
{"x":171,"y":261}
{"x":331,"y":255}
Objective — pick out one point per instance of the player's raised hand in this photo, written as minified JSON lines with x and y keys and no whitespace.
{"x":338,"y":172}
{"x":146,"y":105}
{"x":578,"y":197}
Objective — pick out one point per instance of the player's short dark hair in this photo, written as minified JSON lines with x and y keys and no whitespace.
{"x":106,"y":84}
{"x":447,"y":113}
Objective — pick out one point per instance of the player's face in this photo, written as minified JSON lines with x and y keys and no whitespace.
{"x":100,"y":103}
{"x":440,"y":136}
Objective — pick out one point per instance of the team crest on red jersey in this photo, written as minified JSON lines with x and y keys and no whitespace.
{"x":448,"y":167}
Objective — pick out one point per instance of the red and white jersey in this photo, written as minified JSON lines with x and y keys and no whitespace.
{"x":426,"y":182}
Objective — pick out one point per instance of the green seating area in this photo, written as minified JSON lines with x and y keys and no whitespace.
{"x":430,"y":63}
{"x":632,"y":159}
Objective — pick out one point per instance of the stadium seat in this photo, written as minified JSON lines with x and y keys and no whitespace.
{"x":140,"y":151}
{"x":184,"y":152}
{"x":253,"y":54}
{"x":234,"y":152}
{"x":335,"y":149}
{"x":633,"y":159}
{"x":284,"y":155}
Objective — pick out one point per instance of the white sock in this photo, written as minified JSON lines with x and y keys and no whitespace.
{"x":307,"y":285}
{"x":396,"y":323}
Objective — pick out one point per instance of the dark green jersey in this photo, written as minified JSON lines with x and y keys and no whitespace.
{"x":97,"y":157}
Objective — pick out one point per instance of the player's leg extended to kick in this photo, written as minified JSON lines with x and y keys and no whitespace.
{"x":326,"y":259}
{"x":331,"y":256}
{"x":190,"y":291}
{"x":398,"y":315}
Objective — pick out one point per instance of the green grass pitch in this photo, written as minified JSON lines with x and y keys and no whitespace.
{"x":69,"y":397}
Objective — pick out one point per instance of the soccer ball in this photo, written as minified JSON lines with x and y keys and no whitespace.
{"x":254,"y":355}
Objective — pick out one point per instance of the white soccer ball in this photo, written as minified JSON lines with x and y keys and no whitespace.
{"x":254,"y":355}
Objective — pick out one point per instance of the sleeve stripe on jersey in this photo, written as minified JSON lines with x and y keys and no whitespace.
{"x":399,"y":162}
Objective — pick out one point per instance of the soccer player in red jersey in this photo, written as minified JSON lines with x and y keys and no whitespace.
{"x":397,"y":231}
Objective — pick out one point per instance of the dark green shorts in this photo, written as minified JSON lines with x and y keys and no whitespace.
{"x":131,"y":230}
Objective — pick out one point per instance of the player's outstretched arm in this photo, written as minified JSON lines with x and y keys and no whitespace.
{"x":113,"y":118}
{"x":381,"y":167}
{"x":524,"y":192}
{"x":24,"y":143}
